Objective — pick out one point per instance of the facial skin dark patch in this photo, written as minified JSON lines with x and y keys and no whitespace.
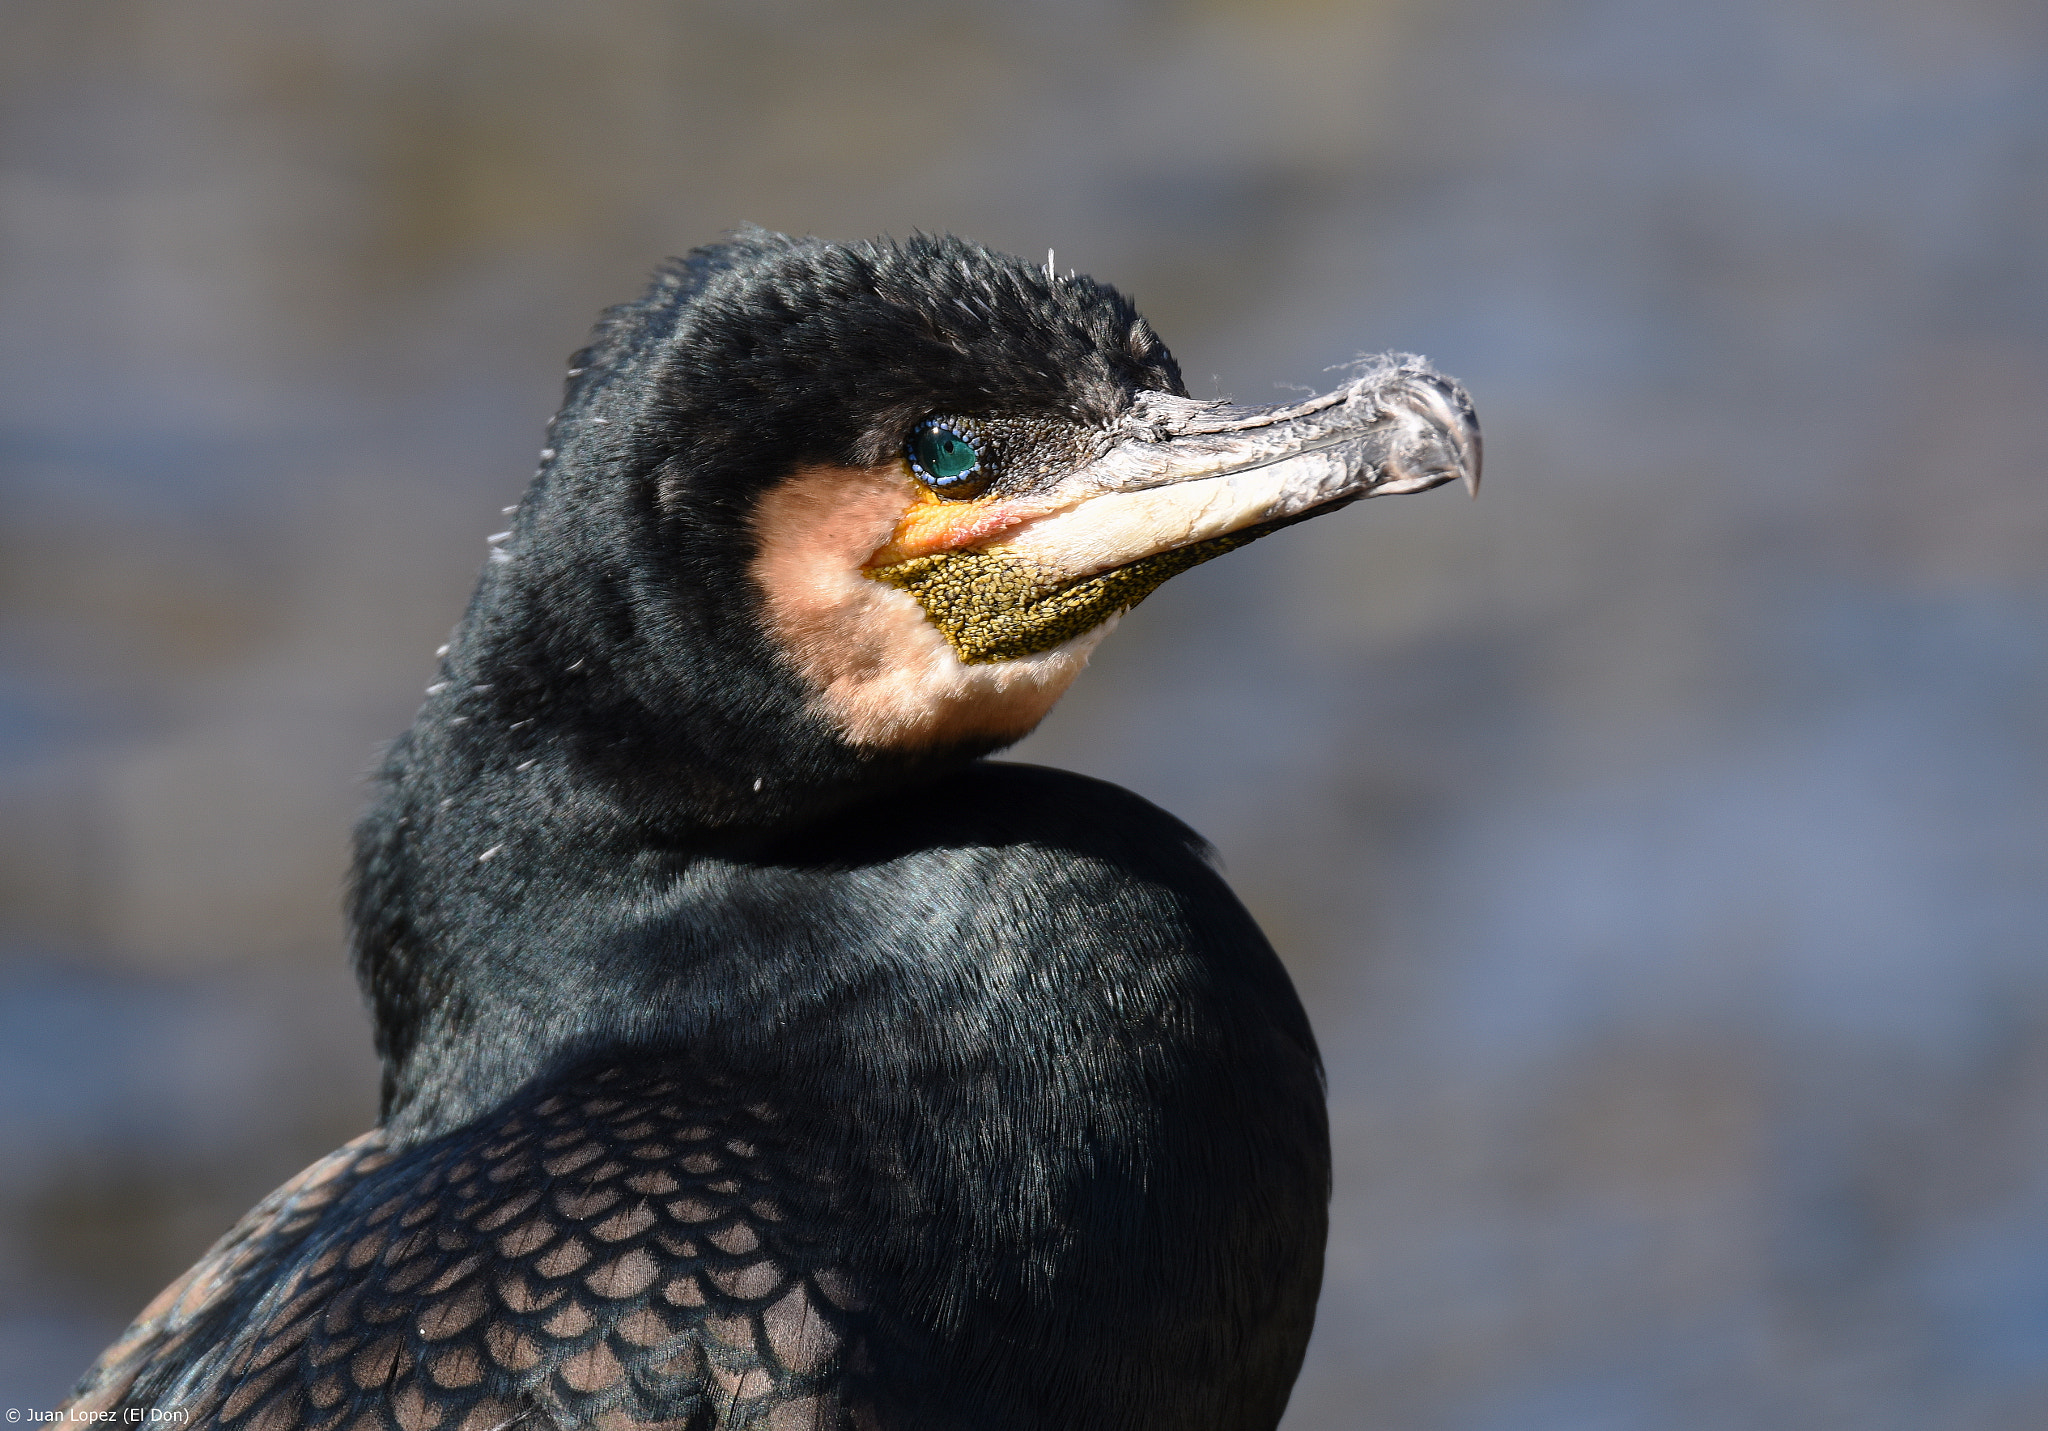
{"x":991,"y":606}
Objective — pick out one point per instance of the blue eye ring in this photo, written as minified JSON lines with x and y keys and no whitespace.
{"x":947,"y":458}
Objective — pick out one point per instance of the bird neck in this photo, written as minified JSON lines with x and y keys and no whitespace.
{"x":539,"y":805}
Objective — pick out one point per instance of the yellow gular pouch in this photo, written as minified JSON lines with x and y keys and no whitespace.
{"x":994,"y":606}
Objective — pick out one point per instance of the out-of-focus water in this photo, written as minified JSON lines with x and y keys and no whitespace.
{"x":1658,"y":841}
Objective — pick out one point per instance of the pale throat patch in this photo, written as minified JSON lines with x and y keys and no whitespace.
{"x":882,"y":673}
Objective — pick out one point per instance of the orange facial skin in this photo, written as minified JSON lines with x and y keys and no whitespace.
{"x":933,"y":525}
{"x":882,"y":674}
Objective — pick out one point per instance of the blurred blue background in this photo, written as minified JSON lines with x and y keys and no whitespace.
{"x":1658,"y":841}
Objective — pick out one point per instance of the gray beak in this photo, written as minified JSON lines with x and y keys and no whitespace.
{"x":1180,"y":472}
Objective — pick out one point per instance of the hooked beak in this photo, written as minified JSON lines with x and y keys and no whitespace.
{"x":1194,"y":471}
{"x":1181,"y":481}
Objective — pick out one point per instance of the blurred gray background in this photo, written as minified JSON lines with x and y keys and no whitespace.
{"x":1657,"y":842}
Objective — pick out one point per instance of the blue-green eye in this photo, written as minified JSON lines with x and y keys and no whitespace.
{"x":947,"y":460}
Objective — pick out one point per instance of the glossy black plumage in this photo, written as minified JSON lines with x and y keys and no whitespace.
{"x":1011,"y":1093}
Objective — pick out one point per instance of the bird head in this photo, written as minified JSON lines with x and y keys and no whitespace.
{"x":812,"y":510}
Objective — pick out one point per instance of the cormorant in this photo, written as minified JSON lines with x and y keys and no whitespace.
{"x":755,"y":1053}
